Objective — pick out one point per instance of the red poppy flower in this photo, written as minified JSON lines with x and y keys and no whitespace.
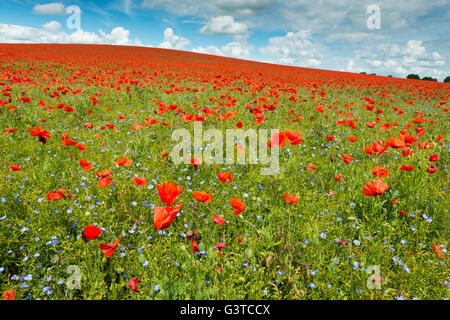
{"x":150,"y":121}
{"x":168,"y":192}
{"x":86,"y":165}
{"x":41,"y":133}
{"x":195,"y":247}
{"x":133,"y":284}
{"x":291,"y":198}
{"x":109,"y":248}
{"x":164,"y":216}
{"x":310,"y":167}
{"x":140,"y":181}
{"x":424,"y":145}
{"x":278,"y":140}
{"x":9,"y":294}
{"x":202,"y":196}
{"x":239,"y":125}
{"x":294,"y":137}
{"x":330,"y":138}
{"x":218,"y":220}
{"x":406,"y":168}
{"x":375,"y":188}
{"x":123,"y":162}
{"x":373,"y":148}
{"x":339,"y":177}
{"x":104,"y":173}
{"x":137,"y":127}
{"x":10,"y":130}
{"x":437,"y":249}
{"x":396,"y":143}
{"x":431,"y":168}
{"x":420,"y":131}
{"x":434,"y":157}
{"x":238,"y":205}
{"x":91,"y":232}
{"x":347,"y":158}
{"x":104,"y":182}
{"x":55,"y":196}
{"x":15,"y":168}
{"x":352,"y":139}
{"x":195,"y":162}
{"x":68,"y":142}
{"x":406,"y":153}
{"x":224,"y":176}
{"x":380,"y":172}
{"x":220,"y":246}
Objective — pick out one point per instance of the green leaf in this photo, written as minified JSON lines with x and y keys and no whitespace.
{"x":271,"y":245}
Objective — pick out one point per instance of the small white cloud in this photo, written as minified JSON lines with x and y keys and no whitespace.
{"x":295,"y":48}
{"x":172,"y":41}
{"x":224,"y":25}
{"x":117,"y":36}
{"x":81,"y":36}
{"x":209,"y":50}
{"x":50,"y":8}
{"x":233,"y":49}
{"x":237,"y":50}
{"x":414,"y":48}
{"x":52,"y":26}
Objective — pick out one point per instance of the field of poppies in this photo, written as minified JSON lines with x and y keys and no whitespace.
{"x":93,"y":207}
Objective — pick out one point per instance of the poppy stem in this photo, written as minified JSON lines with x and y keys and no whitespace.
{"x":289,"y":244}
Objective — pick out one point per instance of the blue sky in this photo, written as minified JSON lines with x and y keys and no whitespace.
{"x":408,"y":36}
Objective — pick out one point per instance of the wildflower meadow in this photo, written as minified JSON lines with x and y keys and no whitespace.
{"x":94,"y":203}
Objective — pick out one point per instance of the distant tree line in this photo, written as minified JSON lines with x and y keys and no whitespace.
{"x":416,"y":76}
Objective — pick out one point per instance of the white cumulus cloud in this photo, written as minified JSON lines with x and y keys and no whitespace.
{"x":224,"y":25}
{"x":172,"y":41}
{"x":51,"y":33}
{"x":50,"y":8}
{"x":295,"y":48}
